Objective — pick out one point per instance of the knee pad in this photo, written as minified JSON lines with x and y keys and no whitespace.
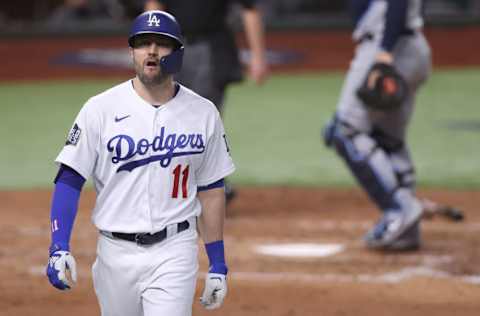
{"x":368,"y":162}
{"x":350,"y":143}
{"x":404,"y":169}
{"x":387,"y":142}
{"x":399,"y":155}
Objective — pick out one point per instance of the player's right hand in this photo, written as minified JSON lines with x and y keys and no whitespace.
{"x":215,"y":290}
{"x":59,"y":263}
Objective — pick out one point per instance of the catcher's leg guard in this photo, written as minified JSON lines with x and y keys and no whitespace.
{"x":367,"y":161}
{"x":399,"y":156}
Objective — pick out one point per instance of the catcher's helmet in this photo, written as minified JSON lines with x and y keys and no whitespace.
{"x":161,"y":23}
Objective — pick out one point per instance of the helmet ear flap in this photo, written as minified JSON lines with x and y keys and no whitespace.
{"x":172,"y":63}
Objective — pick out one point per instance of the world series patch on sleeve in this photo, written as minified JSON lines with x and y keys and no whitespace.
{"x":73,"y":135}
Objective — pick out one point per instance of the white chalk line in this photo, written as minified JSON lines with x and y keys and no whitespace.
{"x":399,"y":276}
{"x":312,"y":226}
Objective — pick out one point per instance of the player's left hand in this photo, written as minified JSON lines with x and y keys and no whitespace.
{"x":383,"y":88}
{"x":58,"y":264}
{"x":215,"y":290}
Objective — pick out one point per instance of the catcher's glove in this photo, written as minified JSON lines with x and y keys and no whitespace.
{"x":383,"y":88}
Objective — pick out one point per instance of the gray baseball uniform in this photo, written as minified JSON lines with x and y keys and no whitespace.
{"x":373,"y":143}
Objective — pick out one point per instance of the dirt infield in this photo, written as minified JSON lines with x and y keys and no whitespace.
{"x":443,"y":278}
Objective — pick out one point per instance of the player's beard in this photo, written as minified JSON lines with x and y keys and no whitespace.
{"x":150,"y":79}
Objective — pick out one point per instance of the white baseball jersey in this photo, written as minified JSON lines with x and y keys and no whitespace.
{"x":146,"y":162}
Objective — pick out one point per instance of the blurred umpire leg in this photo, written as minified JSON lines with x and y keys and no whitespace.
{"x":371,"y":165}
{"x":198,"y":74}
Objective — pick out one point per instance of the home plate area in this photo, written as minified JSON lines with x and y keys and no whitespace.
{"x":290,"y":252}
{"x":300,"y":250}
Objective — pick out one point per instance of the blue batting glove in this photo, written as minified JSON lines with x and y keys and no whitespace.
{"x":59,"y":263}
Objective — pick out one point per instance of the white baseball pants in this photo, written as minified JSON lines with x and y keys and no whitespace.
{"x":135,"y":280}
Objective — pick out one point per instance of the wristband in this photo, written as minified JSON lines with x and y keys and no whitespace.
{"x":216,"y":256}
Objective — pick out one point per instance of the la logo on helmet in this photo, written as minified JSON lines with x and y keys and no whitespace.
{"x":152,"y":18}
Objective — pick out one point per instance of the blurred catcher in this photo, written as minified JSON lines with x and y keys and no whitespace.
{"x":392,"y":60}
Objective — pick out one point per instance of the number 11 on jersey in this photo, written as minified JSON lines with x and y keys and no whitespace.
{"x":178,"y":173}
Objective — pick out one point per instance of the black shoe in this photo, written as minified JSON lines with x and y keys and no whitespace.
{"x":409,"y":241}
{"x":392,"y":227}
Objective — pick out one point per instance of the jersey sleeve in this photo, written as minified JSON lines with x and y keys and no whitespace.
{"x":81,"y":147}
{"x":217,"y":162}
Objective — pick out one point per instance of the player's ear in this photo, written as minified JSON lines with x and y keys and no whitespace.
{"x":130,"y":51}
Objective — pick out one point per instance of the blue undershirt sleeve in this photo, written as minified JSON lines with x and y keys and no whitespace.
{"x":70,"y":177}
{"x":219,"y":184}
{"x":357,"y":9}
{"x":66,"y":195}
{"x":395,"y":23}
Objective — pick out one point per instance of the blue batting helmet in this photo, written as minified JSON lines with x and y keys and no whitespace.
{"x":161,"y":23}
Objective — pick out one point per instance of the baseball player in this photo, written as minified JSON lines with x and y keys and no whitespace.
{"x":157,"y":154}
{"x":371,"y":139}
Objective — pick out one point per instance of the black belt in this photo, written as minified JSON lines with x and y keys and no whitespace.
{"x":150,"y":239}
{"x":370,"y":36}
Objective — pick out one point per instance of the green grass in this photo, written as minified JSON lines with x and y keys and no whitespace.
{"x":274,"y":131}
{"x":34,"y":122}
